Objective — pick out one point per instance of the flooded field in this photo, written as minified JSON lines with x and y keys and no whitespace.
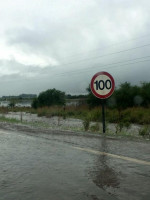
{"x":59,"y":123}
{"x":19,"y":104}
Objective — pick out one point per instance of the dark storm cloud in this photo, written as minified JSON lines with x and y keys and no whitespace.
{"x":60,"y":44}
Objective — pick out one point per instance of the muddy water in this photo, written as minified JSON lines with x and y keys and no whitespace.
{"x":34,"y":168}
{"x":46,"y":166}
{"x":66,"y":124}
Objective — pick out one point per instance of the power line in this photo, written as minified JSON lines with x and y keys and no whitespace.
{"x":105,"y":47}
{"x":96,"y":57}
{"x":87,"y":70}
{"x":108,"y":64}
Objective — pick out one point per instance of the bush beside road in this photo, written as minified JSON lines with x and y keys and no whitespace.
{"x":12,"y":119}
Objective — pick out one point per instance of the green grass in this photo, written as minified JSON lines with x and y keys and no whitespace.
{"x":137,"y":115}
{"x":16,"y":121}
{"x":96,"y":128}
{"x":10,"y":120}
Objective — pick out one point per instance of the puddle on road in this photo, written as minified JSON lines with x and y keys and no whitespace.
{"x":105,"y":178}
{"x":102,"y":174}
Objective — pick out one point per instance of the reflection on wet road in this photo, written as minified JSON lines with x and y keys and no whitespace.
{"x":104,"y":176}
{"x":69,"y":167}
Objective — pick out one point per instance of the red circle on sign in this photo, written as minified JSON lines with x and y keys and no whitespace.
{"x":112,"y":88}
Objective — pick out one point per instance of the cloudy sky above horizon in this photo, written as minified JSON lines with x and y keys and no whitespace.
{"x":61,"y":44}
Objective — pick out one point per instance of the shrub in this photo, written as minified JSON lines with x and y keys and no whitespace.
{"x":86,"y":122}
{"x":112,"y":115}
{"x":119,"y":127}
{"x":95,"y":127}
{"x":96,"y":114}
{"x":48,"y":98}
{"x":144,"y":131}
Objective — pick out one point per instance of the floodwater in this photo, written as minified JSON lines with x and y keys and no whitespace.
{"x":19,"y":104}
{"x":60,"y":166}
{"x":66,"y":124}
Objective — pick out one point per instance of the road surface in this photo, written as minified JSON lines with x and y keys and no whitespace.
{"x":67,"y":166}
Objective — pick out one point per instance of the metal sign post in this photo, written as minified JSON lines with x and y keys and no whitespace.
{"x":103,"y":115}
{"x":102,"y":86}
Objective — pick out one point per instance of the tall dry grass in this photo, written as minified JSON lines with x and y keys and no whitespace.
{"x":137,"y":115}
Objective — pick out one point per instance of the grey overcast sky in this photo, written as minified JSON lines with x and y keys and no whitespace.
{"x":61,"y":44}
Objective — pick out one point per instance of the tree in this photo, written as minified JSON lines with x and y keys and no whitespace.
{"x":125,"y":96}
{"x":92,"y":100}
{"x":12,"y":104}
{"x":128,"y":96}
{"x":145,"y":93}
{"x":48,"y":98}
{"x":35,"y":103}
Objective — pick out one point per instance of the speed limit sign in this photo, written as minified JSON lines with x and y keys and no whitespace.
{"x":102,"y":85}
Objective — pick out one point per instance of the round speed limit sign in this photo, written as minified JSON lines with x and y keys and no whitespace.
{"x":102,"y":85}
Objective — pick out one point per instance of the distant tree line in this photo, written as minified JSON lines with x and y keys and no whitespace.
{"x":80,"y":96}
{"x":19,"y":97}
{"x":125,"y":96}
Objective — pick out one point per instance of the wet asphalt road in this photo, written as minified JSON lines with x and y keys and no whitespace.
{"x":72,"y":167}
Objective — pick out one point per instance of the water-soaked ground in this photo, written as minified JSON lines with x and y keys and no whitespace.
{"x":64,"y":166}
{"x":66,"y":124}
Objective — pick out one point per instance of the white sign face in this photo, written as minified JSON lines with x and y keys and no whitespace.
{"x":102,"y":85}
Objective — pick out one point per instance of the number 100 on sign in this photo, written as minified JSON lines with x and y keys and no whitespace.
{"x":102,"y":85}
